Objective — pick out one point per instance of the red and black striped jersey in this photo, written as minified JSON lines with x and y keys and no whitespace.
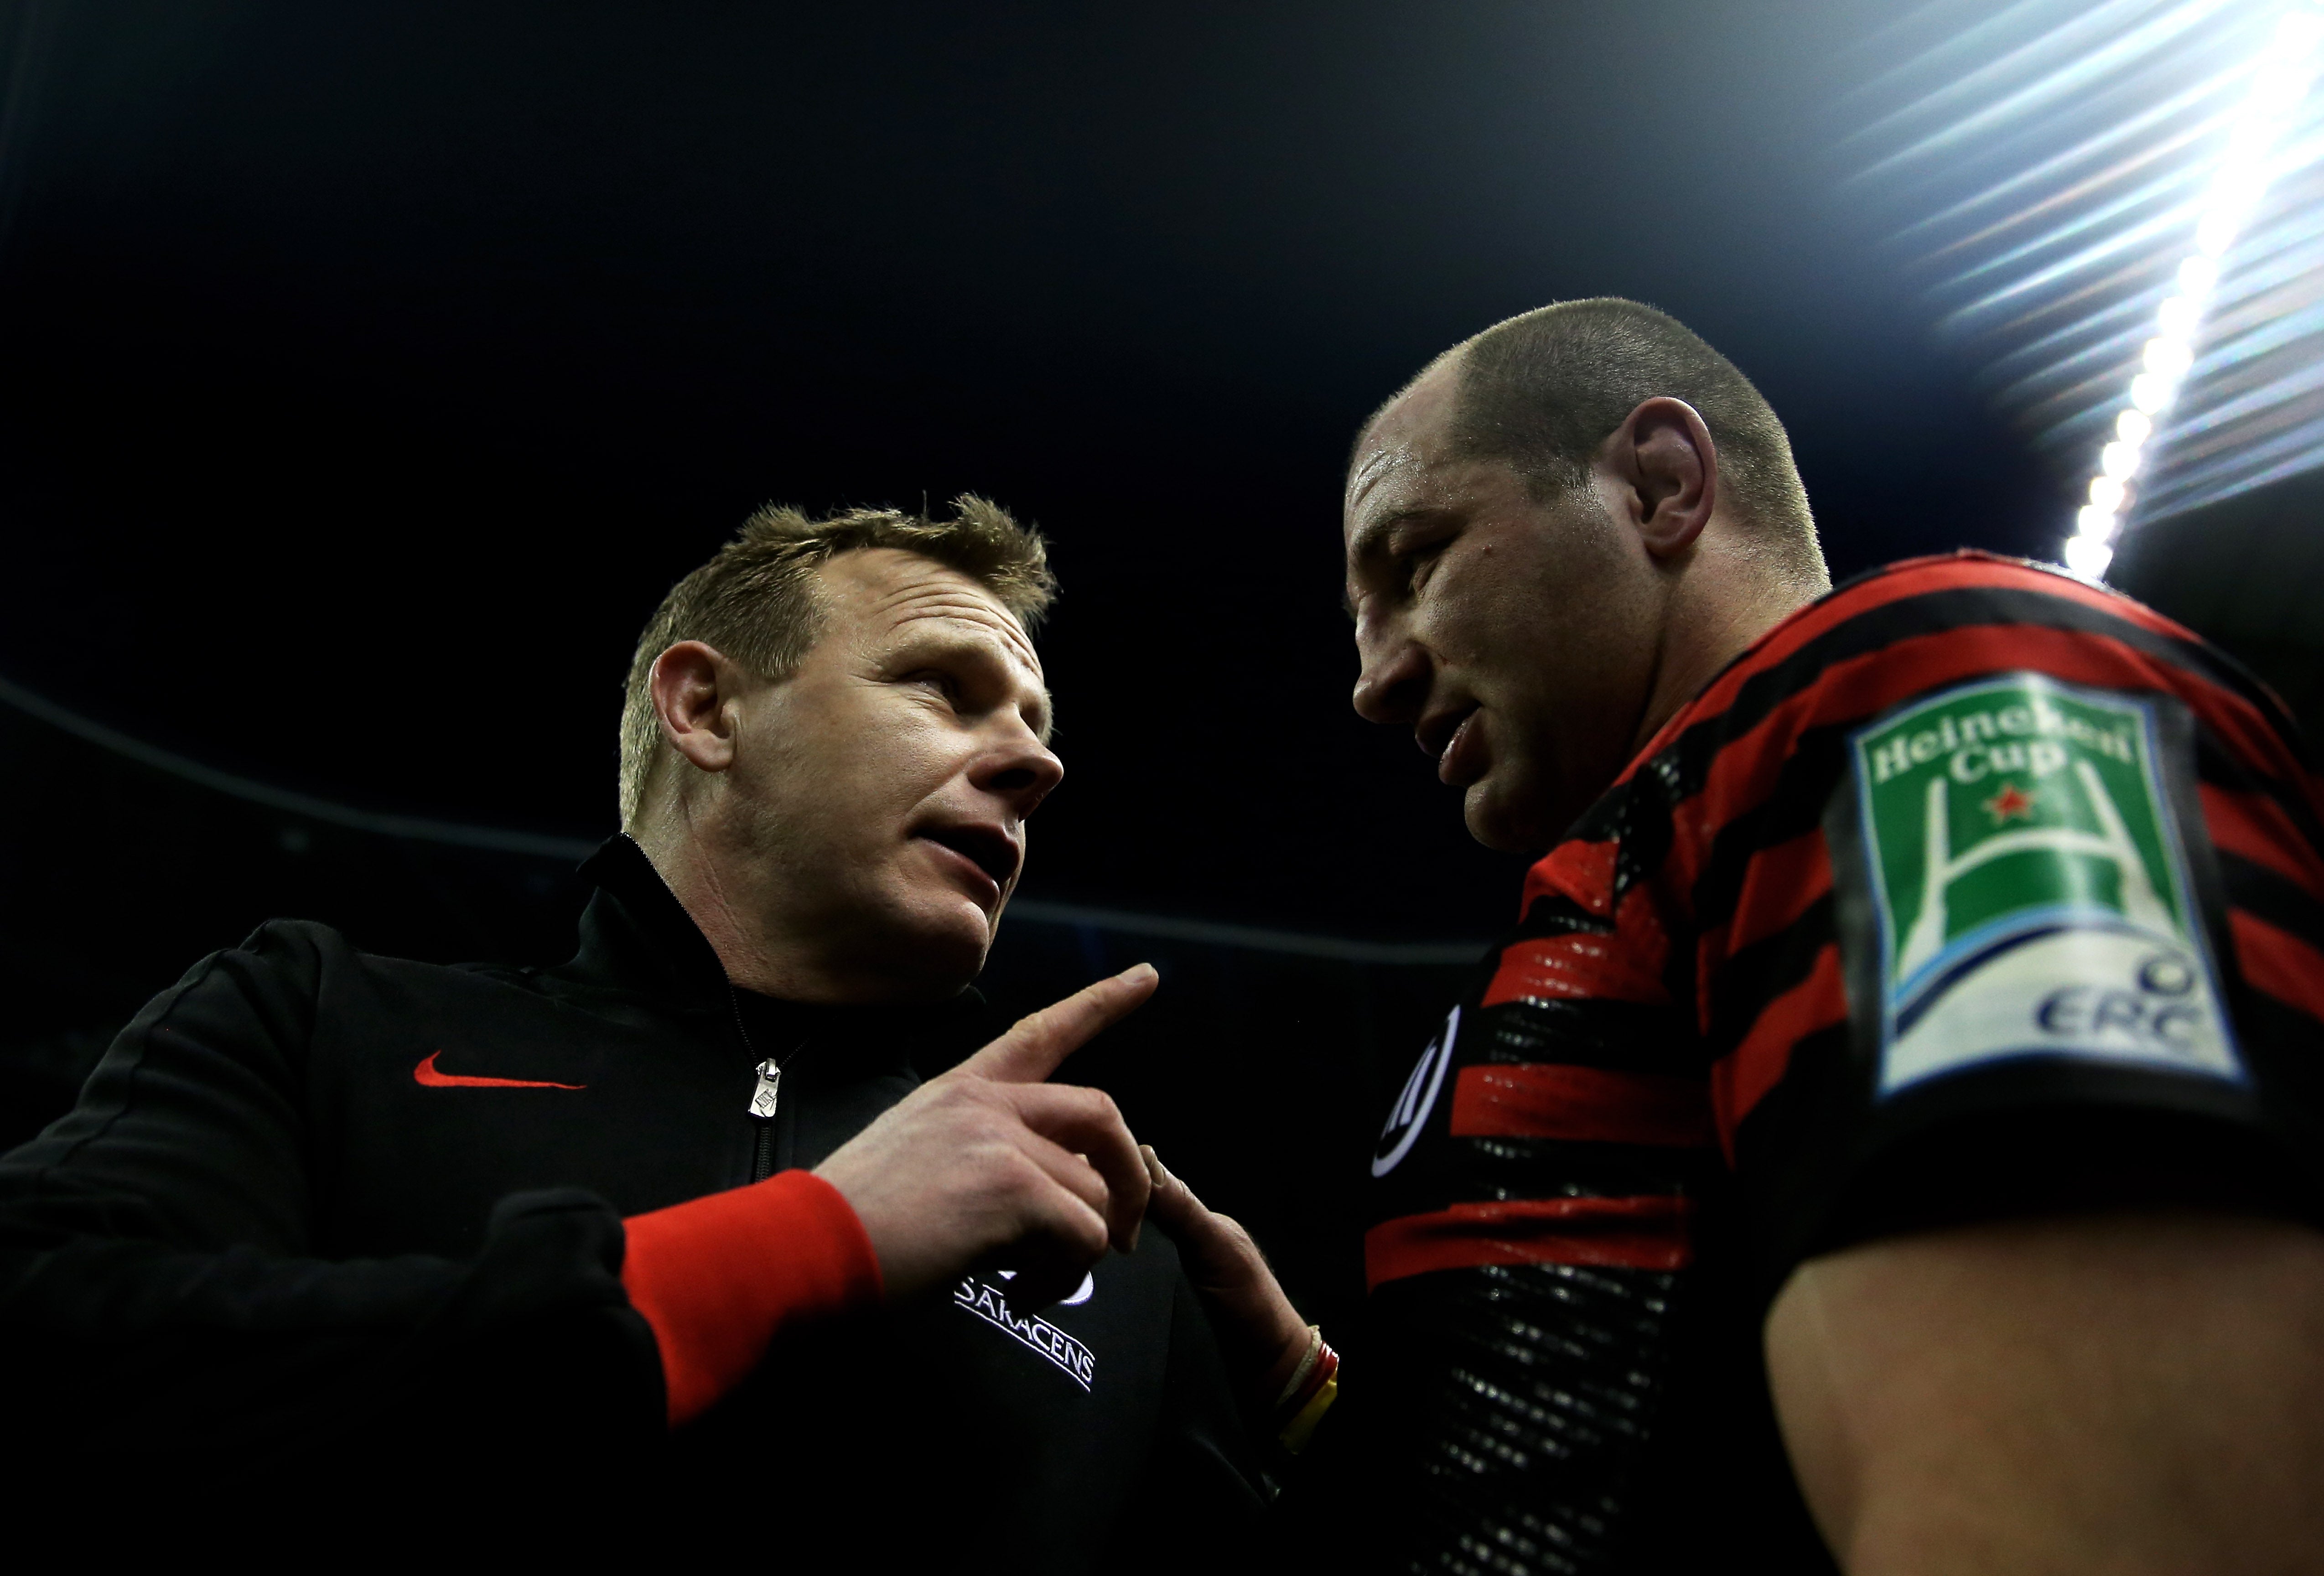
{"x":1968,"y":888}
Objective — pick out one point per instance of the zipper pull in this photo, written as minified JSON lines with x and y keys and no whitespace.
{"x":770,"y":1087}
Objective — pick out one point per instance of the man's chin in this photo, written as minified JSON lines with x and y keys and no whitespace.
{"x":1506,"y":818}
{"x":915,"y":943}
{"x":945,"y":935}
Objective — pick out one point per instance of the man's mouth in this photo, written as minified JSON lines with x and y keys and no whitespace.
{"x":1457,"y":741}
{"x":986,"y":851}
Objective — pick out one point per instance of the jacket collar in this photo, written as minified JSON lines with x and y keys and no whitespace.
{"x":635,"y":934}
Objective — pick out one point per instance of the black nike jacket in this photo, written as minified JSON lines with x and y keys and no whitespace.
{"x":336,"y":1235}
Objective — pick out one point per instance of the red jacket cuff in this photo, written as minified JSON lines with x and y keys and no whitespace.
{"x":719,"y":1277}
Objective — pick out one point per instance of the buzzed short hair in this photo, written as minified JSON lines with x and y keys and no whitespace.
{"x":756,"y":602}
{"x":1543,"y":389}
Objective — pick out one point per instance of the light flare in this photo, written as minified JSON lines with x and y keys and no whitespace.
{"x":2119,"y":207}
{"x":2280,"y":82}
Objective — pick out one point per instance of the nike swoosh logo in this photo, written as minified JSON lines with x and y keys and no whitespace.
{"x":426,"y":1073}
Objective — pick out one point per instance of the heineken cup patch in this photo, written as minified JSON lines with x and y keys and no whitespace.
{"x":2031,"y":887}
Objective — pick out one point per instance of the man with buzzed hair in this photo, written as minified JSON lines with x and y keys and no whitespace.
{"x":1602,"y":359}
{"x":667,"y":1250}
{"x":1901,"y":1089}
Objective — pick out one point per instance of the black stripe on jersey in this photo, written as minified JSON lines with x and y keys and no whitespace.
{"x":2261,"y":893}
{"x":1624,"y":1036}
{"x":1555,"y":913}
{"x":2282,"y":1042}
{"x":1817,"y":763}
{"x":1643,"y":824}
{"x":2220,"y":766}
{"x":1754,"y":975}
{"x":1635,"y":817}
{"x":1515,"y":1412}
{"x":1941,"y":613}
{"x":1789,"y":1149}
{"x":1802,"y":789}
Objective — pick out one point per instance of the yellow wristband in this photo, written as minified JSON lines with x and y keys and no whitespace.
{"x":1296,"y":1432}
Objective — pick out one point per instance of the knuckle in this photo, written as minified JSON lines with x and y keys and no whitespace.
{"x":1015,"y":1175}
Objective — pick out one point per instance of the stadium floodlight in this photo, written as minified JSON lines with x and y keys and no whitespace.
{"x":2279,"y":84}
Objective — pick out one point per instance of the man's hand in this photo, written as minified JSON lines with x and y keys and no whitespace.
{"x":989,"y":1160}
{"x":1262,"y":1335}
{"x":2125,"y":1394}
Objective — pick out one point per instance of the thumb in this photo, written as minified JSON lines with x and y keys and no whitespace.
{"x":1037,"y":1044}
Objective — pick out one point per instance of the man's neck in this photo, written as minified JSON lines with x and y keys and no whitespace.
{"x":1718,"y":611}
{"x":793,"y":964}
{"x":693,"y":879}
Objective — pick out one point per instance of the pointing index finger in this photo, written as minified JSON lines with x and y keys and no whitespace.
{"x":1035,"y":1044}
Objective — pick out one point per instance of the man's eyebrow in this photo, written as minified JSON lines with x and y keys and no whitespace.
{"x":1369,"y":536}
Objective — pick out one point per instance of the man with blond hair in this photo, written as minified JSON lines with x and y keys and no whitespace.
{"x":675,"y":1223}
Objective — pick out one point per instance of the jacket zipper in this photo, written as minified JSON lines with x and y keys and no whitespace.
{"x":764,"y":1099}
{"x":766,"y":1096}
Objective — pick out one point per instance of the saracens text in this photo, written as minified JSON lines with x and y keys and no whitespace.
{"x":990,"y":1304}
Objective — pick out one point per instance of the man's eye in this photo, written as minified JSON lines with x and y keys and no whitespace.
{"x":943,"y":684}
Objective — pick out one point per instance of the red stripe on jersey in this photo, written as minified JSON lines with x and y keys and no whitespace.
{"x":1551,"y":1100}
{"x":1780,"y":884}
{"x":1583,"y":872}
{"x":1741,"y":1079}
{"x":1913,"y":577}
{"x":1550,"y":968}
{"x":2253,"y":826}
{"x":1645,"y":1232}
{"x":2278,"y":962}
{"x":1746,"y":771}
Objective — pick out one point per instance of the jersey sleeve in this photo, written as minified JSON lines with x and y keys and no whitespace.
{"x":2007,"y":896}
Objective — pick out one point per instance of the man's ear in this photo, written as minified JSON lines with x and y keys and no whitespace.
{"x":694,"y":688}
{"x":1667,"y":468}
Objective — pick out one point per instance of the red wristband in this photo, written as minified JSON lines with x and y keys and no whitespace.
{"x":1325,"y":1369}
{"x":718,"y":1277}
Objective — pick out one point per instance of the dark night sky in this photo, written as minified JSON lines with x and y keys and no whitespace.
{"x":371,"y":370}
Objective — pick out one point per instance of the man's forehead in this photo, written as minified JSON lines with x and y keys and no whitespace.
{"x":1402,"y":440}
{"x":896,"y":593}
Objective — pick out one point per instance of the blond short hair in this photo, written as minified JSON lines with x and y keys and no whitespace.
{"x":757,"y":602}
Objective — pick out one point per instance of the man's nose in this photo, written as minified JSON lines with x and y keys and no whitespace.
{"x":1394,"y":681}
{"x":1022,"y":769}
